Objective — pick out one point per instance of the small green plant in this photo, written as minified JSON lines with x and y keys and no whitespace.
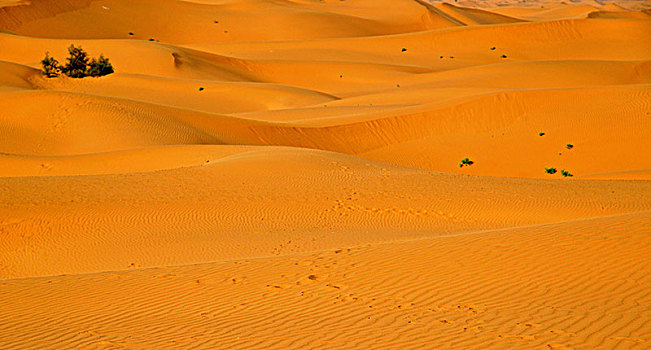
{"x":130,"y":33}
{"x":76,"y":63}
{"x":151,"y":39}
{"x":551,"y":170}
{"x":466,"y":162}
{"x":441,"y":57}
{"x":99,"y":67}
{"x":503,"y":56}
{"x":51,"y":67}
{"x":201,"y":88}
{"x":397,"y":85}
{"x":493,"y":48}
{"x":541,"y":134}
{"x":566,"y":173}
{"x":404,"y":49}
{"x":569,"y":146}
{"x":215,"y":21}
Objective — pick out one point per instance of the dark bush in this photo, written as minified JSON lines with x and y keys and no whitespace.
{"x":51,"y":67}
{"x":98,"y":68}
{"x":550,"y":170}
{"x":566,"y":173}
{"x":76,"y":63}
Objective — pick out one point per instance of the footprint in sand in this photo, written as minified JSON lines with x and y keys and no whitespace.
{"x":527,"y":325}
{"x":277,"y":287}
{"x":309,"y":279}
{"x":516,"y":336}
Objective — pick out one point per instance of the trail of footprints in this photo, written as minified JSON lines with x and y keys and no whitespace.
{"x":330,"y":279}
{"x":321,"y":279}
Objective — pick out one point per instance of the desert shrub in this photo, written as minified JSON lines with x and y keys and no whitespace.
{"x":551,"y":170}
{"x":569,"y":146}
{"x":201,"y":88}
{"x":503,"y":56}
{"x":404,"y":49}
{"x":76,"y":63}
{"x":566,"y":173}
{"x":493,"y":48}
{"x":541,"y":134}
{"x":466,"y":162}
{"x":51,"y":67}
{"x":100,"y":67}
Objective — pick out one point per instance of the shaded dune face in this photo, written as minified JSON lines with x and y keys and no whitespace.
{"x":366,"y":174}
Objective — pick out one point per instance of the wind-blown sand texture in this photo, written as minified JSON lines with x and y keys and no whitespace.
{"x":309,"y":196}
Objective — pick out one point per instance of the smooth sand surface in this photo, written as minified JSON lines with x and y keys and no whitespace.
{"x":309,"y":196}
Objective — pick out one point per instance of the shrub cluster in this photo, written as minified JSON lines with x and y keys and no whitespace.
{"x":78,"y":65}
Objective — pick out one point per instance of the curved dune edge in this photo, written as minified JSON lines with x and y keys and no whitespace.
{"x":231,"y":208}
{"x":119,"y":162}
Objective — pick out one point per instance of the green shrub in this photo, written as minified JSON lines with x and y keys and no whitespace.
{"x":551,"y":170}
{"x":569,"y":146}
{"x":98,"y":68}
{"x":503,"y":56}
{"x":76,"y":63}
{"x":404,"y":49}
{"x":566,"y":173}
{"x":51,"y":67}
{"x":541,"y":134}
{"x":466,"y":162}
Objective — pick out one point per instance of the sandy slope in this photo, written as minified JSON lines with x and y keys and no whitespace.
{"x":284,"y":174}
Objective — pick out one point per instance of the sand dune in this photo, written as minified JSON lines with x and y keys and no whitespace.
{"x":546,"y":286}
{"x":262,"y":174}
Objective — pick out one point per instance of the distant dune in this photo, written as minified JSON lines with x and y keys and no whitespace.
{"x":262,"y":174}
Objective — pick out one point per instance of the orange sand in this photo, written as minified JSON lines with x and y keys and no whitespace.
{"x":309,"y":197}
